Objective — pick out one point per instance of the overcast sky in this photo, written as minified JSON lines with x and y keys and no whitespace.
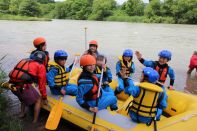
{"x":118,"y":1}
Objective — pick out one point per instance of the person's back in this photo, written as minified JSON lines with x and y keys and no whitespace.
{"x":23,"y":76}
{"x":149,"y":98}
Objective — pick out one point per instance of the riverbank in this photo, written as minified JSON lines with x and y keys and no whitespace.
{"x":142,"y":19}
{"x":8,"y":123}
{"x":21,"y":18}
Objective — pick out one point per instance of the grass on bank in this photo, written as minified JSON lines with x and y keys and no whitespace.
{"x":21,"y":18}
{"x":7,"y":122}
{"x":121,"y":16}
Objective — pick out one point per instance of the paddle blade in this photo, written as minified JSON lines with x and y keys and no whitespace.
{"x":93,"y":127}
{"x":54,"y":116}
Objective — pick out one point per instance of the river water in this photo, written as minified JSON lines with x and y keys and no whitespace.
{"x":16,"y":41}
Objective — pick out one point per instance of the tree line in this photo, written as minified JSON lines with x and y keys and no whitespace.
{"x":169,"y":11}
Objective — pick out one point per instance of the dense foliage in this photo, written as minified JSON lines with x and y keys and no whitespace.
{"x":165,"y":11}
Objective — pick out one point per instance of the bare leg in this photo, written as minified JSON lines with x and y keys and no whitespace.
{"x":37,"y":110}
{"x":22,"y":113}
{"x":190,"y":70}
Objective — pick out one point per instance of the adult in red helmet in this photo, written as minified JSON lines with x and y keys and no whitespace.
{"x":40,"y":45}
{"x":23,"y":76}
{"x":88,"y":87}
{"x":193,"y":63}
{"x":93,"y":45}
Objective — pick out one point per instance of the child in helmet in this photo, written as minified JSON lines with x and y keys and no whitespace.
{"x":101,"y":61}
{"x":124,"y":69}
{"x":193,"y":63}
{"x":149,"y":98}
{"x":57,"y":77}
{"x":88,"y":87}
{"x":93,"y":45}
{"x":161,"y":66}
{"x":40,"y":45}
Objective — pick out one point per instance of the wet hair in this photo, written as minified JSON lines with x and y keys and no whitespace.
{"x":101,"y":58}
{"x":39,"y":47}
{"x":195,"y":52}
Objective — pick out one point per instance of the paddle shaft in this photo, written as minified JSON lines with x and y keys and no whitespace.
{"x":100,"y":83}
{"x":155,"y":124}
{"x":85,"y":37}
{"x":72,"y":68}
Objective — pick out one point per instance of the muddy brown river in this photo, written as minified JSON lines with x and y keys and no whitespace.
{"x":16,"y":41}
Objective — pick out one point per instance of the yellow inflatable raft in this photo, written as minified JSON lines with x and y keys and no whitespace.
{"x":180,"y":115}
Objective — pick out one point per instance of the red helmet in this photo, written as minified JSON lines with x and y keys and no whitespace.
{"x":87,"y":60}
{"x":93,"y":42}
{"x":38,"y":41}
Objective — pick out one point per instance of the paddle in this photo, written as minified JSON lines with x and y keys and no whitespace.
{"x":56,"y":111}
{"x":85,"y":32}
{"x":100,"y":83}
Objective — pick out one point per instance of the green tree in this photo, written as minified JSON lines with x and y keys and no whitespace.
{"x":185,"y":11}
{"x":102,"y":9}
{"x":29,"y":8}
{"x":47,"y":9}
{"x":14,"y":6}
{"x":134,"y":7}
{"x":153,"y":8}
{"x":45,"y":1}
{"x":73,"y":9}
{"x":60,"y":9}
{"x":4,"y":6}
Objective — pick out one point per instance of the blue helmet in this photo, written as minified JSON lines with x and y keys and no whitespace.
{"x":60,"y":54}
{"x":128,"y":53}
{"x":152,"y":74}
{"x":165,"y":54}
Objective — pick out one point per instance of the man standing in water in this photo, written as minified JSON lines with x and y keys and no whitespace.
{"x":23,"y":76}
{"x":193,"y":63}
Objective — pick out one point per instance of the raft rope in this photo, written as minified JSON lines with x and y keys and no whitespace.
{"x":183,"y":119}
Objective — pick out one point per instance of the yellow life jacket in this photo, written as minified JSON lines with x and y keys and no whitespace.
{"x":146,"y":102}
{"x":127,"y":67}
{"x":98,"y":70}
{"x":62,"y":78}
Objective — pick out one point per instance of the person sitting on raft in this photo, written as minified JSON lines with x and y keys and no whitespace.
{"x":149,"y":98}
{"x":88,"y":87}
{"x":40,"y":45}
{"x":161,"y":66}
{"x":57,"y":77}
{"x":124,"y":69}
{"x":101,"y":61}
{"x":93,"y":46}
{"x":23,"y":76}
{"x":193,"y":63}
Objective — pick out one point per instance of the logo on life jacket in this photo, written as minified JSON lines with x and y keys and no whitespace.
{"x":146,"y":102}
{"x":163,"y":72}
{"x":20,"y":72}
{"x":62,"y":78}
